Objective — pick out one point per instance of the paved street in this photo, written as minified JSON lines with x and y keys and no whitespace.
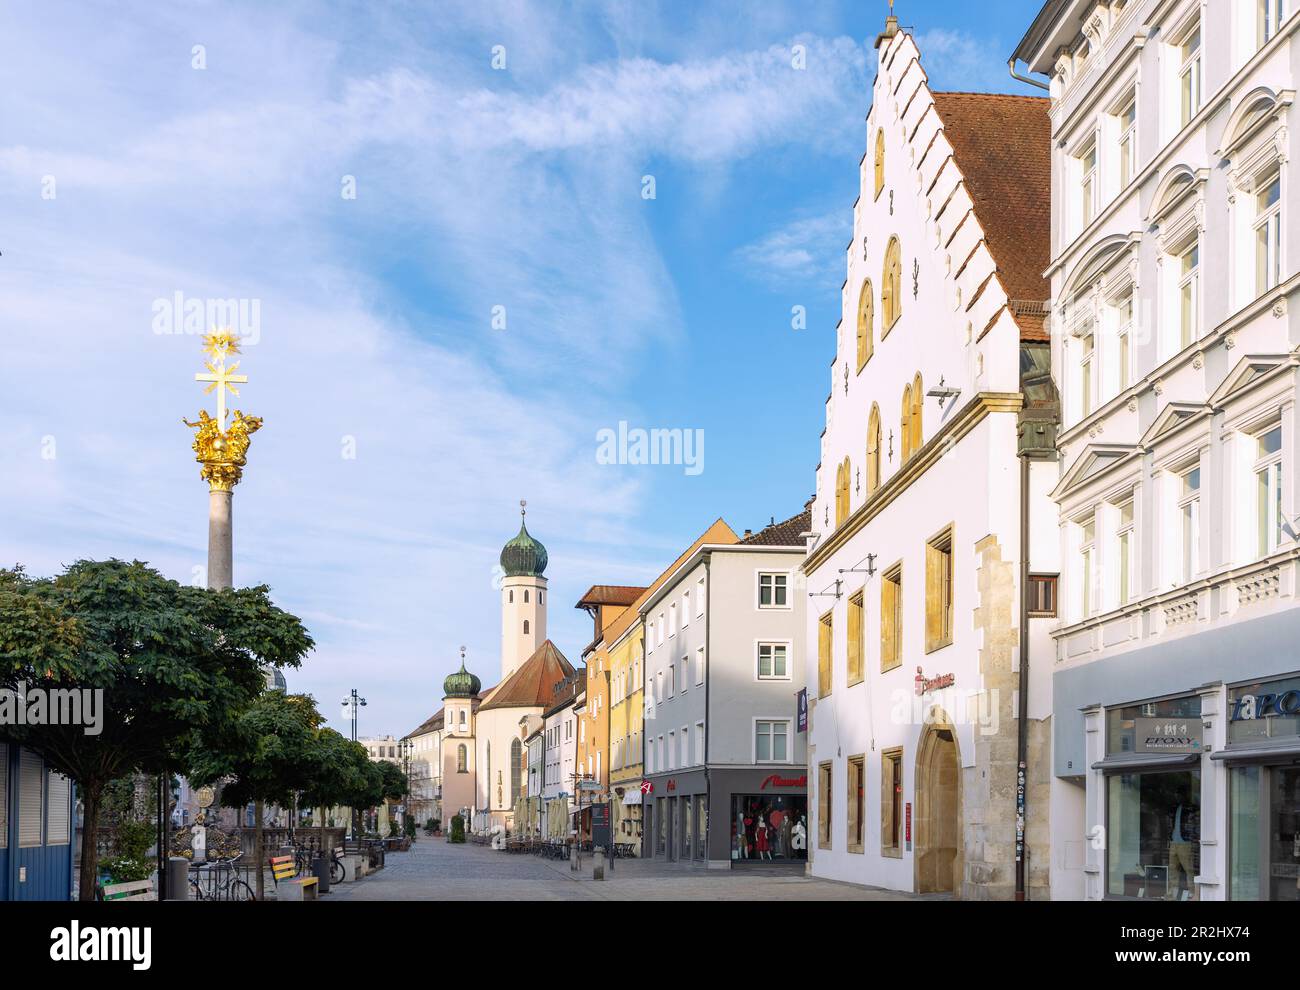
{"x":436,"y":870}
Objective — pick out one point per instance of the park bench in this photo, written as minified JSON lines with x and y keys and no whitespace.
{"x":294,"y":888}
{"x":136,"y":890}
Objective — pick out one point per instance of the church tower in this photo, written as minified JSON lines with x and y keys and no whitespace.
{"x":523,"y":599}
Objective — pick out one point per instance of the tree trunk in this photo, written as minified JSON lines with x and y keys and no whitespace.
{"x":92,"y":795}
{"x":257,"y":849}
{"x":322,"y":828}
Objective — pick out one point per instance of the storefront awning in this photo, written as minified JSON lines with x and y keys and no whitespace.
{"x":1289,"y":750}
{"x":1134,"y":762}
{"x":632,"y":796}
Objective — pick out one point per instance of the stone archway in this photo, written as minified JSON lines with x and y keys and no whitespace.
{"x":938,"y":855}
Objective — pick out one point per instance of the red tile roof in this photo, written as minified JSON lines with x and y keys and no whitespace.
{"x":783,"y":534}
{"x":533,"y":684}
{"x":1003,"y":146}
{"x":610,"y":594}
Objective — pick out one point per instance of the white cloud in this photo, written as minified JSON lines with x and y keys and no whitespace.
{"x":800,"y":251}
{"x":474,"y":189}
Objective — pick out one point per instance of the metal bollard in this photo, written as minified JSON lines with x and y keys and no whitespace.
{"x":178,"y":878}
{"x":598,"y":863}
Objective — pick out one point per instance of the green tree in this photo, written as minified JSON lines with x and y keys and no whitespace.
{"x":267,"y":757}
{"x":341,"y":774}
{"x":175,"y":664}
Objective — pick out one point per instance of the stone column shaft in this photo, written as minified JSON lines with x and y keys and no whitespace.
{"x":220,"y":540}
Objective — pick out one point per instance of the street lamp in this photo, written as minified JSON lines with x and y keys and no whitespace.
{"x":351,"y":703}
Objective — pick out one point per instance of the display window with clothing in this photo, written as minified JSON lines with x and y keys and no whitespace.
{"x":765,"y":828}
{"x":1153,"y":800}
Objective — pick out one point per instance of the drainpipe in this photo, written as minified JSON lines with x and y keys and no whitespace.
{"x":1022,"y":715}
{"x":708,"y":715}
{"x":1011,"y":67}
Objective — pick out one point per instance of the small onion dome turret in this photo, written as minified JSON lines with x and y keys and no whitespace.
{"x":523,"y":556}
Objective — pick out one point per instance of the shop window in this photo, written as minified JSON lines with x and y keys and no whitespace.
{"x":825,"y":783}
{"x":764,"y":827}
{"x":825,"y":644}
{"x":1042,"y":596}
{"x":938,"y":592}
{"x":1153,"y":834}
{"x":891,"y":802}
{"x":891,"y":618}
{"x":856,"y":802}
{"x":855,"y":630}
{"x":1268,"y":490}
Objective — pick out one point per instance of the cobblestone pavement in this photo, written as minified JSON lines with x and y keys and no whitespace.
{"x":434,"y":870}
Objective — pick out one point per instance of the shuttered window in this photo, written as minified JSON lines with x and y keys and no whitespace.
{"x":938,"y":592}
{"x":825,"y":778}
{"x":891,"y":618}
{"x":4,"y":795}
{"x":31,"y":798}
{"x":57,"y":831}
{"x":855,"y":639}
{"x":825,"y":642}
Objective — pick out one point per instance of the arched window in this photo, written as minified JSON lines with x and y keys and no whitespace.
{"x":512,"y":597}
{"x":525,"y":596}
{"x":462,"y":759}
{"x":880,"y":160}
{"x":873,"y":449}
{"x":905,"y":425}
{"x":516,"y":770}
{"x":843,"y":476}
{"x":866,"y":314}
{"x":918,"y":398}
{"x":891,"y":292}
{"x":525,"y":627}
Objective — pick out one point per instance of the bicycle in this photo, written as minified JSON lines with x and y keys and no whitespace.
{"x":224,"y":882}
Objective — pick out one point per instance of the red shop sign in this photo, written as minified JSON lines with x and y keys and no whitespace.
{"x":776,"y":781}
{"x":672,"y":785}
{"x":647,"y":787}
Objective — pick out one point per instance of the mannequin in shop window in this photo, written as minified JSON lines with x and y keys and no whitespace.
{"x":761,"y":843}
{"x":799,"y":838}
{"x":742,"y":845}
{"x":1184,"y":837}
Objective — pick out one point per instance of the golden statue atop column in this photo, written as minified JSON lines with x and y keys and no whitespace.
{"x":222,"y":450}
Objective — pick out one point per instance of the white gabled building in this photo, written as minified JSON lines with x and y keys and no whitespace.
{"x":1177,"y":718}
{"x":914,"y":569}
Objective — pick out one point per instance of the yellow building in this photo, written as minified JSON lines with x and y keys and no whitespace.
{"x":624,"y":646}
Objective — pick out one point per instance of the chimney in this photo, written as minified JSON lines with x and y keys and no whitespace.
{"x":891,"y":27}
{"x":748,"y":533}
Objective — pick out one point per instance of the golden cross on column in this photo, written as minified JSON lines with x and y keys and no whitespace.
{"x":219,"y":345}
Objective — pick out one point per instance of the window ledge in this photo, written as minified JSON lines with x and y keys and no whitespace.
{"x":894,"y":853}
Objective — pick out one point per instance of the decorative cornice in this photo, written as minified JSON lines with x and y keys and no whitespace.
{"x":968,"y":417}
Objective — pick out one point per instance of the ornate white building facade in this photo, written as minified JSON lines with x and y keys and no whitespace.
{"x":1175,"y":348}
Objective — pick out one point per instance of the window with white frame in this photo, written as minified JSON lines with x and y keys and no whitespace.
{"x":699,"y":598}
{"x":1189,"y":293}
{"x":1268,"y":490}
{"x":1189,"y":521}
{"x":771,"y":740}
{"x":1124,"y":340}
{"x":1124,"y":541}
{"x":1127,"y":120}
{"x":660,"y":626}
{"x":699,"y":743}
{"x":672,"y":751}
{"x":1189,"y":74}
{"x":1088,"y":194}
{"x":686,"y":608}
{"x":1087,"y":376}
{"x":699,"y":665}
{"x":672,"y":679}
{"x":1087,"y":562}
{"x":672,"y":620}
{"x":684,"y":673}
{"x":773,"y":662}
{"x":1268,"y":232}
{"x":1269,"y":14}
{"x":686,"y":748}
{"x":773,"y":591}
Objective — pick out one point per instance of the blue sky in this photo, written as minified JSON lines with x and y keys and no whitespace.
{"x":476,"y":188}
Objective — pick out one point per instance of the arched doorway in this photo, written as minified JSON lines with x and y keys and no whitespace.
{"x":938,"y":855}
